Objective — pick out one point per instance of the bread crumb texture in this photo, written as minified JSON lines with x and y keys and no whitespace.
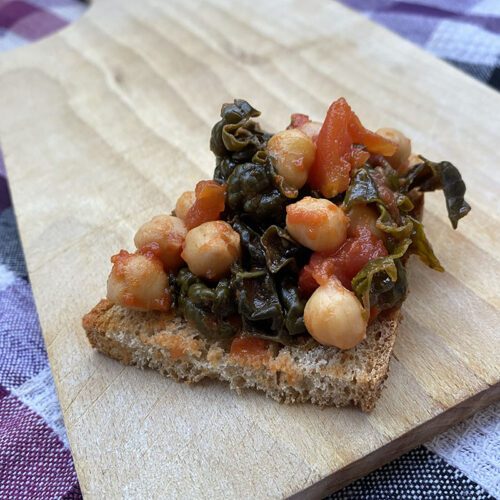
{"x":314,"y":373}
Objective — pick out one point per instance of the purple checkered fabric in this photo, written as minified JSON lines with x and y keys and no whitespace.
{"x":26,"y":21}
{"x":465,"y":33}
{"x":35,"y":461}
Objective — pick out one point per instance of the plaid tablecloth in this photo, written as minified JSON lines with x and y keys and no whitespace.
{"x":35,"y":461}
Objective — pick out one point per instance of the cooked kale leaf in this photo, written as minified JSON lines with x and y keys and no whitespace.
{"x":258,"y":302}
{"x":386,"y":293}
{"x":236,"y":137}
{"x":261,"y":293}
{"x":381,"y":283}
{"x":206,"y":307}
{"x":252,"y":251}
{"x":386,"y":223}
{"x":251,"y":190}
{"x":293,"y":305}
{"x":430,"y":176}
{"x":223,"y":169}
{"x":362,"y":189}
{"x":280,"y":248}
{"x":420,"y":246}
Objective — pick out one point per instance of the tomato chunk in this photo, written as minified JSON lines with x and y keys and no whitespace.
{"x":337,"y":153}
{"x":344,"y":264}
{"x":249,"y":346}
{"x":208,"y":205}
{"x":297,"y":120}
{"x":307,"y":283}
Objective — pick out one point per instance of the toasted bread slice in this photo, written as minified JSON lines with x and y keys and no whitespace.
{"x":312,"y":373}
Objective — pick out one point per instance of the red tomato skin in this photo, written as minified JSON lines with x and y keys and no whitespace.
{"x":336,"y":153}
{"x":344,"y":264}
{"x":297,"y":120}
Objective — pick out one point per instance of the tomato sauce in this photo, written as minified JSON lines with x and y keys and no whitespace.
{"x":307,"y":283}
{"x":249,"y":346}
{"x":151,"y":250}
{"x":161,"y":304}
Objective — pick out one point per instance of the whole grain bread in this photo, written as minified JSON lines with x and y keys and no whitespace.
{"x":311,"y":373}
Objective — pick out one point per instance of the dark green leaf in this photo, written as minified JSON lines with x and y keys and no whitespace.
{"x":404,"y":203}
{"x":430,"y":176}
{"x":378,"y":271}
{"x":253,"y":252}
{"x":224,"y":303}
{"x":386,"y":293}
{"x":260,"y":157}
{"x":255,"y":273}
{"x":386,"y":224}
{"x":223,"y":169}
{"x":237,"y":111}
{"x":362,"y":189}
{"x":258,"y":303}
{"x":185,"y":278}
{"x":420,"y":246}
{"x":200,"y":318}
{"x":362,"y":282}
{"x":236,"y":135}
{"x":279,"y":247}
{"x":251,"y":191}
{"x":206,"y":307}
{"x":293,"y":305}
{"x":200,"y":294}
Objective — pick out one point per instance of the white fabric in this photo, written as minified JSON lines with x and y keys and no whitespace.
{"x":464,"y":42}
{"x":9,"y":40}
{"x":7,"y":277}
{"x":69,"y":13}
{"x":473,"y":447}
{"x":487,"y":8}
{"x":39,"y":394}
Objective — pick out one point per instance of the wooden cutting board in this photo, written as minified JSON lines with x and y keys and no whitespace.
{"x":105,"y":123}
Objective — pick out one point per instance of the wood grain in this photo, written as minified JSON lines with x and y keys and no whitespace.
{"x":105,"y":123}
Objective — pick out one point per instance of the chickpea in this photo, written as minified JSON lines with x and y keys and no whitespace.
{"x":293,"y":153}
{"x":361,"y":216}
{"x":138,"y":282}
{"x":334,"y":316}
{"x":316,"y":223}
{"x":211,"y":248}
{"x":403,"y":151}
{"x":184,"y":203}
{"x":168,"y":232}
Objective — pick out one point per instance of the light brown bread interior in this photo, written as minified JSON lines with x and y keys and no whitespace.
{"x":311,"y":373}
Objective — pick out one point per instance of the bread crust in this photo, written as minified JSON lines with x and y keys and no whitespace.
{"x":312,"y":373}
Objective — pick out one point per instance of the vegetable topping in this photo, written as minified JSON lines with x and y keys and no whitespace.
{"x":300,"y":235}
{"x":343,"y":144}
{"x":208,"y":204}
